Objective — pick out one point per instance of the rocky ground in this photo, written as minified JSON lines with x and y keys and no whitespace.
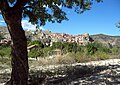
{"x":105,"y":72}
{"x":109,"y":76}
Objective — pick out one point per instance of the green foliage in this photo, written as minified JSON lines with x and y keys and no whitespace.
{"x":5,"y":51}
{"x":94,"y":47}
{"x":91,"y":48}
{"x":34,"y":53}
{"x":41,"y":11}
{"x":101,"y":55}
{"x":71,"y":47}
{"x":47,"y":51}
{"x":115,"y":51}
{"x":92,"y":51}
{"x":36,"y":42}
{"x":50,"y":10}
{"x":81,"y":57}
{"x":102,"y":48}
{"x":66,"y":47}
{"x":68,"y":59}
{"x":57,"y":45}
{"x":1,"y":36}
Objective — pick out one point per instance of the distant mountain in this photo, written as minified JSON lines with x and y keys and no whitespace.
{"x":107,"y":39}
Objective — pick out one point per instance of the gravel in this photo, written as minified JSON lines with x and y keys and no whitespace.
{"x":109,"y":76}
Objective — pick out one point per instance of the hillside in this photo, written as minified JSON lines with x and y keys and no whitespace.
{"x":107,"y":40}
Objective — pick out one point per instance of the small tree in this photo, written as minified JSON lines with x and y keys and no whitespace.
{"x":91,"y":48}
{"x":35,"y":53}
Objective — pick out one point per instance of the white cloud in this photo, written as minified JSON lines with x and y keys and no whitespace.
{"x":27,"y":25}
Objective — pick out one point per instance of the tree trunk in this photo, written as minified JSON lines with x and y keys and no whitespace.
{"x":19,"y":75}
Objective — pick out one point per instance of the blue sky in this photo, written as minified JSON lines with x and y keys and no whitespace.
{"x":100,"y":19}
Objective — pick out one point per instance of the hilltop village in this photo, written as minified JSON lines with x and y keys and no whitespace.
{"x":48,"y":37}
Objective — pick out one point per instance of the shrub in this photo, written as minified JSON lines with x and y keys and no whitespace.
{"x":67,"y":59}
{"x":82,"y":57}
{"x":47,"y":51}
{"x":57,"y":45}
{"x":5,"y":51}
{"x":115,"y":51}
{"x":91,"y":48}
{"x":101,"y":55}
{"x":34,"y":53}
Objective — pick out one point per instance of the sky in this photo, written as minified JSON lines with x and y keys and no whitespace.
{"x":101,"y":19}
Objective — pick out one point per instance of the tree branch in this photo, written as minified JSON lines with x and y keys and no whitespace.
{"x":4,"y":5}
{"x":82,"y":4}
{"x":21,"y":3}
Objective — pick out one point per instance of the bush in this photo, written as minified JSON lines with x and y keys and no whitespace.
{"x":115,"y":51}
{"x":91,"y":48}
{"x":101,"y":55}
{"x":5,"y":51}
{"x":47,"y":51}
{"x":67,"y":59}
{"x":82,"y":57}
{"x":34,"y":53}
{"x":65,"y":46}
{"x":57,"y":45}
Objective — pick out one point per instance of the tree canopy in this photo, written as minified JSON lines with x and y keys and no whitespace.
{"x":41,"y":11}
